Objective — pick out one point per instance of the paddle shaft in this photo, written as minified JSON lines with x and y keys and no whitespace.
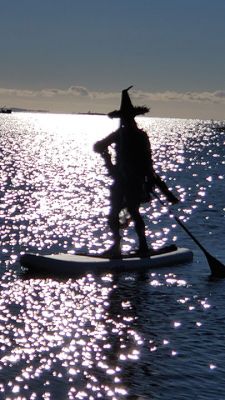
{"x":185,"y":228}
{"x":217,"y":268}
{"x":190,"y":234}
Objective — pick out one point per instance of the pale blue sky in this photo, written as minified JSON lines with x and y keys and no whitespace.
{"x":173,"y":51}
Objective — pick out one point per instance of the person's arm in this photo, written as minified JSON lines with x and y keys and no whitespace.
{"x":150,"y":173}
{"x":154,"y":179}
{"x":102,"y":145}
{"x":164,"y":189}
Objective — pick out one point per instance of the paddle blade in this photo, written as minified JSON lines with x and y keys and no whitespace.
{"x":216,"y":267}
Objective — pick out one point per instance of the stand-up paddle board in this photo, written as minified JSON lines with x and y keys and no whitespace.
{"x":78,"y":264}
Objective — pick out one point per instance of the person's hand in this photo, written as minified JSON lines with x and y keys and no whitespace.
{"x":97,"y":147}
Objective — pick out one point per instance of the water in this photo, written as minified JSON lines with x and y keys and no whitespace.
{"x":153,"y":336}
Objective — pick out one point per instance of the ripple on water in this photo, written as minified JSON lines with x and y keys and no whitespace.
{"x":106,"y":337}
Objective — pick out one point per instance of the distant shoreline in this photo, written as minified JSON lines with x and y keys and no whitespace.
{"x":17,"y":109}
{"x":90,"y":113}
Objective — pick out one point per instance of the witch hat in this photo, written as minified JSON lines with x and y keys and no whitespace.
{"x":127,"y":109}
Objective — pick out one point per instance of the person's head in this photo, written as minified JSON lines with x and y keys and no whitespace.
{"x":127,"y":121}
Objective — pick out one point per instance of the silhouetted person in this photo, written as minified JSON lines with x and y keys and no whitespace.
{"x":133,"y":173}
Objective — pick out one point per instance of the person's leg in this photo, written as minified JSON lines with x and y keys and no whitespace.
{"x":116,"y":201}
{"x":139,"y":227}
{"x":133,"y":194}
{"x":114,"y":225}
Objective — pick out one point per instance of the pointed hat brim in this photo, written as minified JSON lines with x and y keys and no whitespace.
{"x":126,"y":107}
{"x":132,"y":113}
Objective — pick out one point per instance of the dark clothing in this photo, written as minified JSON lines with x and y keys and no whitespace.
{"x":133,"y":176}
{"x":133,"y":168}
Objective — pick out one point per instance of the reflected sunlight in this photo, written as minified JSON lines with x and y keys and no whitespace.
{"x":108,"y":336}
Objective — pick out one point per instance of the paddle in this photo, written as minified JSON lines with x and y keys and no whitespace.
{"x":216,"y":267}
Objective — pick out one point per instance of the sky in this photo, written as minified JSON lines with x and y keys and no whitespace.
{"x":77,"y":55}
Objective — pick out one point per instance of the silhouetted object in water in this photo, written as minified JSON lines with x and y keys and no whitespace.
{"x":4,"y":110}
{"x":133,"y":173}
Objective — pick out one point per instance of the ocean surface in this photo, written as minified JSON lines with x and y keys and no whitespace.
{"x":159,"y":335}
